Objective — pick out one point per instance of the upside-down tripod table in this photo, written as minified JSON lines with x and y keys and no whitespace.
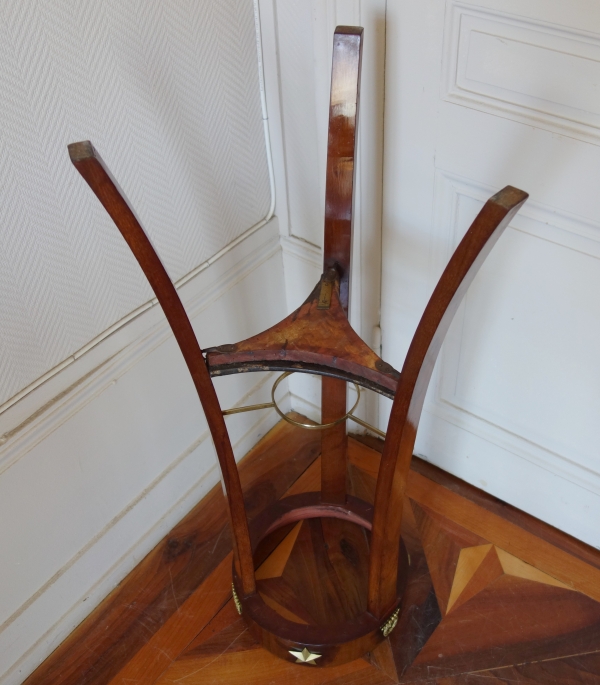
{"x":317,"y":338}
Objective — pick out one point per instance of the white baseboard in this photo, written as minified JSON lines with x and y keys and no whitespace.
{"x":94,"y":562}
{"x":511,"y":477}
{"x":98,"y":472}
{"x":303,"y":265}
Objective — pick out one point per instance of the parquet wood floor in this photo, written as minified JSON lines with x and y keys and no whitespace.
{"x":494,"y":596}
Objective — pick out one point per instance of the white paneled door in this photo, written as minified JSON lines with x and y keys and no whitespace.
{"x":479,"y":96}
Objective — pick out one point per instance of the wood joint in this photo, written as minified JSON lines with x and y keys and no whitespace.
{"x":328,"y":280}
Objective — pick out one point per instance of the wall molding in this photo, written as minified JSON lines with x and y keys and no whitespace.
{"x":483,"y":50}
{"x":301,"y":249}
{"x":541,"y":222}
{"x":70,"y":585}
{"x":38,"y":625}
{"x":125,"y":348}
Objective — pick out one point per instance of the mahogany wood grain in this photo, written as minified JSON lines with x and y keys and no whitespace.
{"x":578,"y":669}
{"x":333,"y":441}
{"x":412,"y":386}
{"x":312,"y":340}
{"x":337,"y":249}
{"x":341,"y":153}
{"x":312,"y":572}
{"x":225,"y":620}
{"x":282,"y":597}
{"x":182,"y":627}
{"x":90,"y":165}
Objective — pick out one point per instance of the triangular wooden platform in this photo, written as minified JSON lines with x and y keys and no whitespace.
{"x":494,"y":596}
{"x":315,"y":337}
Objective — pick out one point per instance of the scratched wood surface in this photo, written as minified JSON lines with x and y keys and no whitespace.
{"x":493,"y":596}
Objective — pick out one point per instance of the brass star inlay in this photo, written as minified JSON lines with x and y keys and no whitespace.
{"x":305,"y":656}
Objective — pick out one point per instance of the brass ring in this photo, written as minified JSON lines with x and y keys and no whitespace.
{"x":311,"y":426}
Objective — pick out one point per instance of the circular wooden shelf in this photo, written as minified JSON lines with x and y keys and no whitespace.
{"x":311,"y":601}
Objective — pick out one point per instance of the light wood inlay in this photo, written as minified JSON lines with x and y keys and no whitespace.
{"x":469,"y":561}
{"x":513,"y":566}
{"x":273,"y":566}
{"x":539,"y":553}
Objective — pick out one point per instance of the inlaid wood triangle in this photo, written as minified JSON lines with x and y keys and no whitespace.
{"x":442,"y":541}
{"x":512,"y":620}
{"x":281,"y":592}
{"x":273,"y":566}
{"x":514,"y":566}
{"x":309,"y":481}
{"x":479,"y":566}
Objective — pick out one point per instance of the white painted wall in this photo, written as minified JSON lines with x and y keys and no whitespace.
{"x":104,"y":446}
{"x":187,"y":142}
{"x":94,"y":480}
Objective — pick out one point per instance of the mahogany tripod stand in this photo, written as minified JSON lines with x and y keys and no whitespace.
{"x":317,"y":338}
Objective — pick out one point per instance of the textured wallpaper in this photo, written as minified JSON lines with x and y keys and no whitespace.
{"x":168,"y":92}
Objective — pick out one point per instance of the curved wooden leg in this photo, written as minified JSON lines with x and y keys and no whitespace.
{"x":414,"y":379}
{"x":90,"y":165}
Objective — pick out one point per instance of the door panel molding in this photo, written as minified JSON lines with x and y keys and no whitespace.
{"x":477,"y":351}
{"x":483,"y":67}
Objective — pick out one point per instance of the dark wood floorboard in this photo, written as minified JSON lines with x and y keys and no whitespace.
{"x":493,"y":595}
